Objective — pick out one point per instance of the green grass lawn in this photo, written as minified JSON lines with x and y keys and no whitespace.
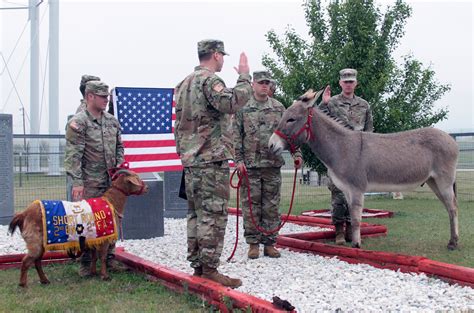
{"x":126,"y":292}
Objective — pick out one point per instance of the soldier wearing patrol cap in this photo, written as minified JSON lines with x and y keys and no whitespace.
{"x":204,"y":143}
{"x":93,"y":146}
{"x":355,"y":112}
{"x":82,"y":88}
{"x":253,"y":126}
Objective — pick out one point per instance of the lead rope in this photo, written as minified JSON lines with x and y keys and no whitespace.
{"x":260,"y":229}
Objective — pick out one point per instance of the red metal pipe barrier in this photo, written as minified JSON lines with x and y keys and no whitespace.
{"x":406,"y":263}
{"x":329,"y":234}
{"x":302,"y":220}
{"x":377,"y":213}
{"x":212,"y":291}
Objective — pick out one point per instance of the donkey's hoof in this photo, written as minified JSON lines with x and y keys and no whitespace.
{"x":45,"y":282}
{"x":356,"y":245}
{"x":452,"y":246}
{"x":22,"y":285}
{"x":106,"y":278}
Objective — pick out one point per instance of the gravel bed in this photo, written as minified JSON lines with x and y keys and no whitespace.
{"x":311,"y":283}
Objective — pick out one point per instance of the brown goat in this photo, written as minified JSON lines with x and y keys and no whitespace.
{"x":30,"y":222}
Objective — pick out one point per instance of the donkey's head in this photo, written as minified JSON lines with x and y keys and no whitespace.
{"x":128,"y":182}
{"x":294,"y":128}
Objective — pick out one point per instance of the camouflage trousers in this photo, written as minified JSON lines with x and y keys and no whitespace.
{"x":340,"y":208}
{"x":90,"y":192}
{"x":207,"y":190}
{"x":265,"y":186}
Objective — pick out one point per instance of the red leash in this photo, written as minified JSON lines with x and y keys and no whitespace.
{"x":260,"y":229}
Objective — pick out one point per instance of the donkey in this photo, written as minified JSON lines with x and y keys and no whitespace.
{"x":359,"y":162}
{"x":30,"y":221}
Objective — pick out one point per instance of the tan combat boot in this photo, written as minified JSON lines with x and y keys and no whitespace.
{"x":271,"y":251}
{"x":253,"y":251}
{"x":340,"y":234}
{"x":214,"y":275}
{"x":348,"y":232}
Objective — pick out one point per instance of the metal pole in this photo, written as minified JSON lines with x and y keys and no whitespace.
{"x":53,"y":164}
{"x":34,"y":163}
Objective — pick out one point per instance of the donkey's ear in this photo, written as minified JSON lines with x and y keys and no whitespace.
{"x":318,"y":94}
{"x":309,"y":98}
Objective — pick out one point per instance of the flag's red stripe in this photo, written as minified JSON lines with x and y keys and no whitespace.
{"x":158,"y":169}
{"x":151,"y":157}
{"x":148,"y":143}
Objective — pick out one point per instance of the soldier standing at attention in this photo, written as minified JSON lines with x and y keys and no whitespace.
{"x":253,"y":126}
{"x":82,"y":89}
{"x":82,"y":106}
{"x":93,"y":146}
{"x":355,"y":112}
{"x":204,"y":142}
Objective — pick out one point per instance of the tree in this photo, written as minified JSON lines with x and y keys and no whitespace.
{"x":355,"y":34}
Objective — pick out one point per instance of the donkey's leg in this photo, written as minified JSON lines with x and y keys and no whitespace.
{"x":444,"y":190}
{"x":355,"y":199}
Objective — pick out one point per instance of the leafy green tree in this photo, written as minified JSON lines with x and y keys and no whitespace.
{"x":356,"y":34}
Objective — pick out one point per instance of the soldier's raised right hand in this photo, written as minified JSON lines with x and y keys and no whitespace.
{"x":243,"y":65}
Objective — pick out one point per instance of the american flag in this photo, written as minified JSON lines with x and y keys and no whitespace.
{"x":147,"y":118}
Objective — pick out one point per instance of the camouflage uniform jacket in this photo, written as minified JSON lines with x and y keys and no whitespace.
{"x":93,"y":146}
{"x":203,"y":128}
{"x":253,"y":127}
{"x":354,"y":112}
{"x":82,"y":106}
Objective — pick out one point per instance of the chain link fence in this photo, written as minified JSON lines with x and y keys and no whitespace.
{"x":39,"y":174}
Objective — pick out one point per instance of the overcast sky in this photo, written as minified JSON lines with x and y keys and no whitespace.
{"x":153,"y":44}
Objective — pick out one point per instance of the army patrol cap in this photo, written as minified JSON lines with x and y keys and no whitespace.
{"x":348,"y":74}
{"x":211,"y":45}
{"x":97,"y":87}
{"x":261,"y":76}
{"x":86,"y":78}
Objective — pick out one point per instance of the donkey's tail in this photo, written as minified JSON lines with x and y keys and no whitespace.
{"x":455,"y":190}
{"x":17,"y":221}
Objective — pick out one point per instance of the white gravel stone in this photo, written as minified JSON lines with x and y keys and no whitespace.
{"x":310,"y":282}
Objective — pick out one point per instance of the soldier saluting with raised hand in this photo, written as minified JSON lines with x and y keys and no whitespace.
{"x":354,"y":112}
{"x":204,"y":141}
{"x":254,"y":124}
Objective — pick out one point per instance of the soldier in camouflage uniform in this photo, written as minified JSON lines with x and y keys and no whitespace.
{"x":353,"y":111}
{"x":82,"y":106}
{"x":204,"y":142}
{"x":254,"y":124}
{"x":93,"y":146}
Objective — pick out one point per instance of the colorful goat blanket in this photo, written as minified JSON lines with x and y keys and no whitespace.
{"x":65,"y":222}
